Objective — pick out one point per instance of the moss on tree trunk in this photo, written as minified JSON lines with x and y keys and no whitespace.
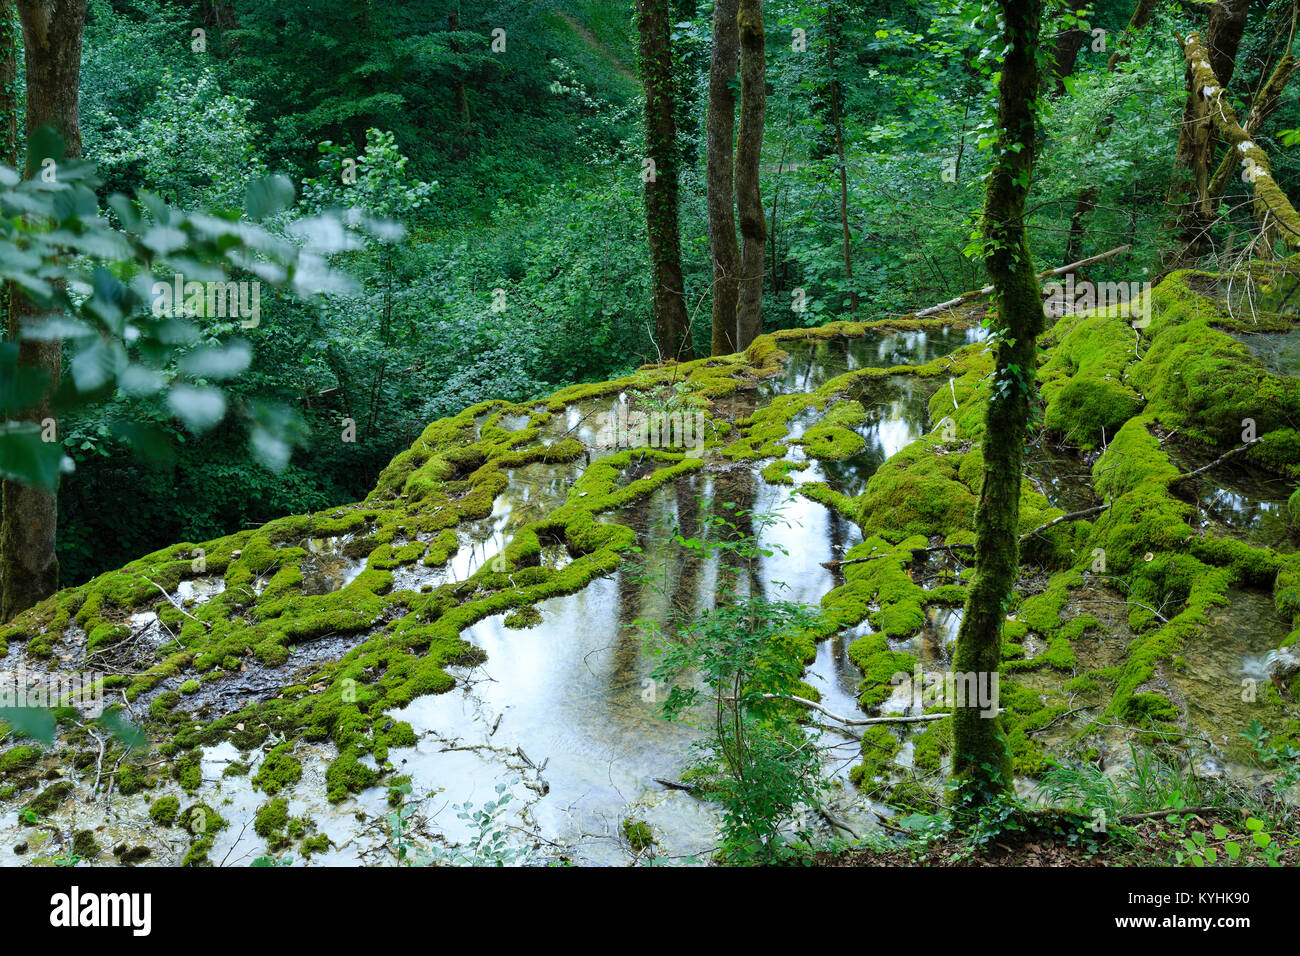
{"x":749,"y":150}
{"x":981,"y":760}
{"x":720,"y":131}
{"x":52,"y":44}
{"x":655,"y":60}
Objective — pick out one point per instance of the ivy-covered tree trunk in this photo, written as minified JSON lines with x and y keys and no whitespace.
{"x":749,"y":151}
{"x":720,"y":133}
{"x":8,"y":156}
{"x":655,"y":59}
{"x":981,"y":761}
{"x":52,"y":44}
{"x":8,"y":85}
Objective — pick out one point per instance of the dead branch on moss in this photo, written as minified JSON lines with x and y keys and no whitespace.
{"x":858,"y":721}
{"x":1179,"y":479}
{"x":939,"y":548}
{"x":988,"y":289}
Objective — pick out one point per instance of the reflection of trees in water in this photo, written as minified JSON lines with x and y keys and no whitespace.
{"x":666,"y":571}
{"x":736,"y":574}
{"x":897,"y":399}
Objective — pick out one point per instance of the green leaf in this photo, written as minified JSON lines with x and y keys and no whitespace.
{"x":268,"y":196}
{"x":26,"y":458}
{"x":121,"y":728}
{"x":34,"y":722}
{"x":198,"y":408}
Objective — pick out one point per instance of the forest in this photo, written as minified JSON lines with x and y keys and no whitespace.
{"x":627,"y":433}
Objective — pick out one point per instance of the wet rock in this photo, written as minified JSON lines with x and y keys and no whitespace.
{"x":129,"y":856}
{"x":1283,"y":664}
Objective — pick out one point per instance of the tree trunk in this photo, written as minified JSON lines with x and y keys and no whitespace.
{"x":462,"y":100}
{"x":52,"y":43}
{"x":8,"y":85}
{"x":837,"y":124}
{"x":749,"y":151}
{"x":720,"y":132}
{"x":1065,"y":55}
{"x":981,"y":761}
{"x":1141,"y":17}
{"x":1189,"y":194}
{"x":1271,"y":206}
{"x":1223,"y":36}
{"x":1087,"y":198}
{"x":672,"y":333}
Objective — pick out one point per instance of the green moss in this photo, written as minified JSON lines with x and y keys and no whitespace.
{"x":201,"y":820}
{"x":833,"y":438}
{"x":346,"y":774}
{"x":880,"y":745}
{"x":279,"y":770}
{"x":131,"y":779}
{"x":1143,"y":709}
{"x":50,"y":799}
{"x":1084,"y":380}
{"x":197,"y":853}
{"x":188,"y":771}
{"x":319,"y":843}
{"x":163,"y":810}
{"x":189,"y":687}
{"x":84,"y":844}
{"x":523,"y":617}
{"x":879,"y":664}
{"x":18,"y":758}
{"x":1206,"y":383}
{"x":932,"y":744}
{"x":271,"y":818}
{"x":638,"y":834}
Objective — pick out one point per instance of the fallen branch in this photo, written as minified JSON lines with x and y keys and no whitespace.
{"x":1177,"y":479}
{"x":858,"y":721}
{"x":1156,"y":814}
{"x":988,"y":289}
{"x":838,"y":824}
{"x":177,"y":606}
{"x":1058,"y":718}
{"x":935,"y":548}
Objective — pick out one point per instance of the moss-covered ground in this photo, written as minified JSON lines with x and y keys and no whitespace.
{"x":1116,"y":393}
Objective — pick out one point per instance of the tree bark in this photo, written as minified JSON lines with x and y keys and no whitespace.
{"x":720,"y":133}
{"x":52,"y":44}
{"x":1223,"y":36}
{"x":749,"y":150}
{"x":837,"y":124}
{"x":1271,"y":205}
{"x":981,"y":761}
{"x":1189,"y":194}
{"x":8,"y":84}
{"x":672,"y":332}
